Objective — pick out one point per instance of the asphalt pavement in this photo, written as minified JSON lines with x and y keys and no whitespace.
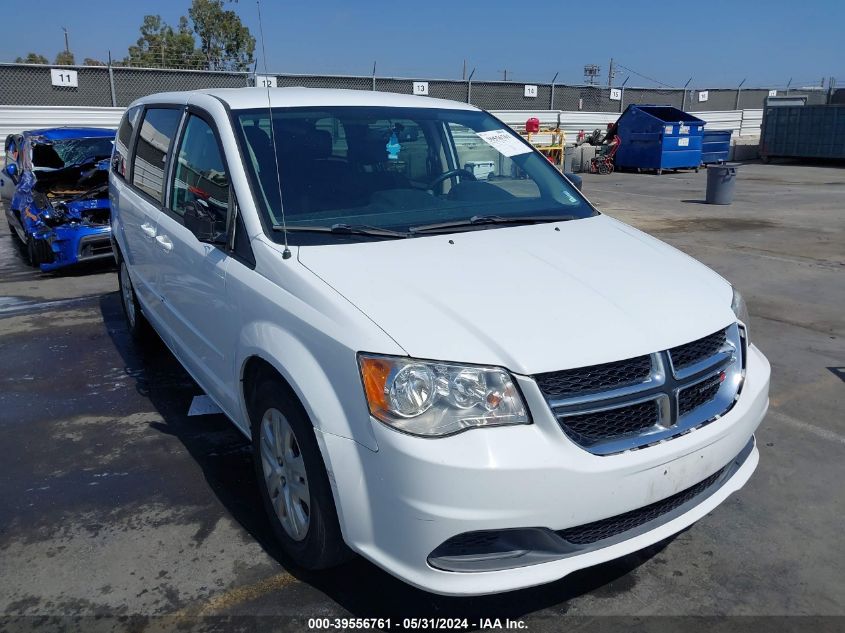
{"x":120,"y":510}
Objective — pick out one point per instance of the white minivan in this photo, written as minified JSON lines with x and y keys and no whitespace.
{"x":470,"y":377}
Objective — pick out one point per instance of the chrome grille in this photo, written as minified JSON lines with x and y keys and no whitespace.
{"x":570,"y":382}
{"x":589,"y":428}
{"x":692,"y":353}
{"x":614,"y":407}
{"x":693,"y":397}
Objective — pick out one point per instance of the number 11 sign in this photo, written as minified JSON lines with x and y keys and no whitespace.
{"x":64,"y":78}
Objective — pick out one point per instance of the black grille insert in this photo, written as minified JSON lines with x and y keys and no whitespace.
{"x":589,"y":428}
{"x":570,"y":382}
{"x":691,"y":353}
{"x":606,"y":528}
{"x":693,"y":397}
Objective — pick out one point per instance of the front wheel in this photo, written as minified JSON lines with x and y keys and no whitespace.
{"x":294,"y":485}
{"x":32,"y":252}
{"x":135,"y":320}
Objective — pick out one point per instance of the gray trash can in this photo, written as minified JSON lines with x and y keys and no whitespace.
{"x":568,"y":159}
{"x":721,"y":179}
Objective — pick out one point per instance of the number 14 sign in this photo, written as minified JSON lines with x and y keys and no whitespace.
{"x":64,"y":78}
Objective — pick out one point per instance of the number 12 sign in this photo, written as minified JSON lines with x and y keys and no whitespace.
{"x":64,"y":78}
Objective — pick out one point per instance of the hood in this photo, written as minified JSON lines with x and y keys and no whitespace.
{"x":529,"y":298}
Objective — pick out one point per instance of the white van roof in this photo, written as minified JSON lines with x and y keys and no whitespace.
{"x":248,"y":98}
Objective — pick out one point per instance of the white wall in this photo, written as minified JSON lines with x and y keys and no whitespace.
{"x":744,"y":123}
{"x":740,"y":122}
{"x":15,"y":119}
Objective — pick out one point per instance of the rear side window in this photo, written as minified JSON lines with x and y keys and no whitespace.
{"x":200,"y":172}
{"x":121,"y":143}
{"x":157,"y":132}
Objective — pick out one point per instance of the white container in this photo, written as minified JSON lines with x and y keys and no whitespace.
{"x":481,"y":169}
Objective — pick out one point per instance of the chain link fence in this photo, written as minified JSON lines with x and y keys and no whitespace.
{"x":41,"y":85}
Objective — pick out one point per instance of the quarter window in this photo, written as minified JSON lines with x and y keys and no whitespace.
{"x":121,"y":144}
{"x":154,"y":142}
{"x":200,"y":178}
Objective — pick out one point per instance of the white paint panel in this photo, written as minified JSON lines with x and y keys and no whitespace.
{"x":751,"y":122}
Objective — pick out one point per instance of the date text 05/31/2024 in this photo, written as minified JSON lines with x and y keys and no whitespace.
{"x":317,"y":624}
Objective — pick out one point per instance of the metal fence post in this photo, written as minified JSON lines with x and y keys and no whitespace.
{"x":469,"y":86}
{"x":111,"y":84}
{"x":684,"y":100}
{"x":738,"y":90}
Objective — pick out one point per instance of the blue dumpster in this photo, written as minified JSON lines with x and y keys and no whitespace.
{"x":715,"y":146}
{"x":658,"y":137}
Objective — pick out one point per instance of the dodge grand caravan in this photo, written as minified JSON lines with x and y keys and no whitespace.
{"x":470,"y":377}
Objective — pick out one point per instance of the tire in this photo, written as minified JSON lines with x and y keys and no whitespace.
{"x":306,"y":524}
{"x":32,"y":253}
{"x":136,"y":322}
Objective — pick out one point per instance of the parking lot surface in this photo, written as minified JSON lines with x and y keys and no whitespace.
{"x":114,"y":502}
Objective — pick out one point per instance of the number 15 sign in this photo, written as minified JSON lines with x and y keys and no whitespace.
{"x":64,"y":78}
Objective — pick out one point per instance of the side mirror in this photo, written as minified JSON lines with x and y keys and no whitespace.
{"x":12,"y":171}
{"x":201,"y":221}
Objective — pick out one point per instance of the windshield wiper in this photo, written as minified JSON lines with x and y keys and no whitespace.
{"x":488,"y":219}
{"x":344,"y":229}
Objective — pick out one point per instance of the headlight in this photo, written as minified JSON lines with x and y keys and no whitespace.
{"x":434,"y":399}
{"x":740,"y":309}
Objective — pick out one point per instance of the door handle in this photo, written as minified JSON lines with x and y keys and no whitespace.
{"x":148,"y":229}
{"x":164,"y":242}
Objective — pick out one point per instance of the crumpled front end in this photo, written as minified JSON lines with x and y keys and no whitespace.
{"x":67,"y":217}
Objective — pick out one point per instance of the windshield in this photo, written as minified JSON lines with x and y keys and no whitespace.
{"x":397,"y":169}
{"x":58,"y":154}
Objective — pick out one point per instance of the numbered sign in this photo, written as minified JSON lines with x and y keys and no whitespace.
{"x":773,"y":93}
{"x":704,"y":95}
{"x":421,"y":88}
{"x":265,"y":81}
{"x":530,"y":91}
{"x":616,"y":94}
{"x":64,"y":78}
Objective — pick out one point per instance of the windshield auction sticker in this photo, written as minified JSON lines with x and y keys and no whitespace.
{"x":505,"y":142}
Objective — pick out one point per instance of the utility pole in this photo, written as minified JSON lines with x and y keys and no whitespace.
{"x":67,"y":45}
{"x":464,"y":73}
{"x":611,"y":73}
{"x":505,"y":72}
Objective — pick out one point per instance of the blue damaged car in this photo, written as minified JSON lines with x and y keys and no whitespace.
{"x":54,"y":186}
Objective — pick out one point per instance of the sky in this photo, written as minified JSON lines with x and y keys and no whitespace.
{"x":716,"y":43}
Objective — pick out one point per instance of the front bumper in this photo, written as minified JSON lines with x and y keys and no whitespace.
{"x":397,"y":505}
{"x":78,"y":243}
